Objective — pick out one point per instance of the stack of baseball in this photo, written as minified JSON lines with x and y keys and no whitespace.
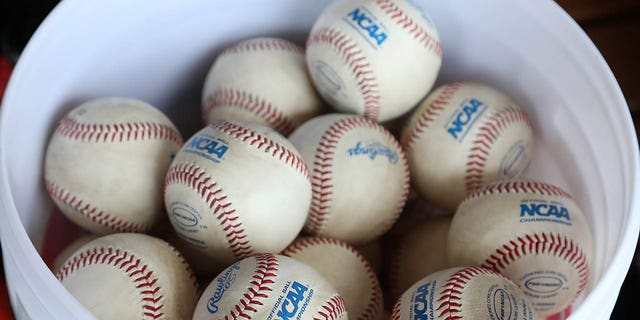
{"x":278,"y":205}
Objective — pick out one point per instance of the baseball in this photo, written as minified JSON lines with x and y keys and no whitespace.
{"x":105,"y":164}
{"x":346,"y":269}
{"x":235,"y":189}
{"x":420,"y":251}
{"x":463,"y":293}
{"x":375,"y":58}
{"x":268,"y":286}
{"x":532,"y":232}
{"x":131,"y":276}
{"x":261,"y":80}
{"x":464,"y":135}
{"x":359,"y":176}
{"x":70,"y":249}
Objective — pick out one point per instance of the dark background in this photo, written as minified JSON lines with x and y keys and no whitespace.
{"x":613,"y":25}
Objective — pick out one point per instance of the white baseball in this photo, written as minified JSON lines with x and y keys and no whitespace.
{"x":419,"y":252}
{"x":359,"y":176}
{"x":473,"y":293}
{"x":131,"y":276}
{"x":346,"y":269}
{"x":105,"y":164}
{"x":534,"y":233}
{"x":236,"y":189}
{"x":261,"y":80}
{"x":70,"y":249}
{"x":464,"y":135}
{"x":376,"y":58}
{"x":268,"y":286}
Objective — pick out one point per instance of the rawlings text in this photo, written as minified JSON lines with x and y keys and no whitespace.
{"x":224,"y":283}
{"x":372,"y":150}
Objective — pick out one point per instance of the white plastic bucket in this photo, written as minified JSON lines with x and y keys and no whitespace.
{"x":159,"y":51}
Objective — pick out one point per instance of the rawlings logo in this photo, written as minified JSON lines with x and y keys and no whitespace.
{"x":367,"y":24}
{"x":224,"y":283}
{"x":542,"y":210}
{"x":464,"y":118}
{"x":372,"y":150}
{"x":291,"y":305}
{"x":207,"y":146}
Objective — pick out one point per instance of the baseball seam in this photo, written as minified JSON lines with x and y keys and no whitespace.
{"x":375,"y":300}
{"x":400,"y":17}
{"x":450,"y":296}
{"x":189,"y":174}
{"x":516,"y":187}
{"x":117,"y":132}
{"x":321,"y":178}
{"x":259,"y":287}
{"x":537,"y":244}
{"x":486,"y":137}
{"x":251,"y":103}
{"x":186,"y":267}
{"x":332,"y":309}
{"x":263,"y":143}
{"x":431,"y":113}
{"x":94,"y":214}
{"x":258,"y":45}
{"x":140,"y":274}
{"x":358,"y":65}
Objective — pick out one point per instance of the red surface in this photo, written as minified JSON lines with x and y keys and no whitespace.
{"x":5,"y":307}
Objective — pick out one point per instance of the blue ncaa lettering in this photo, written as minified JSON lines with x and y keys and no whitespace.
{"x":421,"y":302}
{"x":544,"y":210}
{"x":211,"y":146}
{"x":464,"y":118}
{"x":291,"y":305}
{"x":224,"y":283}
{"x":362,"y":19}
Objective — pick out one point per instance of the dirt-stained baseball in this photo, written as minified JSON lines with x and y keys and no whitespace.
{"x":532,"y":232}
{"x":236,"y":189}
{"x":375,"y":58}
{"x":346,"y":269}
{"x":105,"y":164}
{"x":261,"y":80}
{"x":359,"y":175}
{"x":463,"y":135}
{"x":131,"y":276}
{"x":473,"y":293}
{"x":267,"y":286}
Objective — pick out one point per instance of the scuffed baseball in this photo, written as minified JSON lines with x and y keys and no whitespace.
{"x":532,"y":232}
{"x":345,"y":269}
{"x":463,"y":135}
{"x":236,"y":189}
{"x":419,"y":252}
{"x":105,"y":164}
{"x":359,"y":176}
{"x":261,"y":80}
{"x":131,"y":276}
{"x":375,"y":58}
{"x":473,"y":293}
{"x":267,"y":286}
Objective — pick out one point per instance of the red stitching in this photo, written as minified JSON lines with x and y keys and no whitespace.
{"x":189,"y":174}
{"x":451,"y":294}
{"x":373,"y":306}
{"x":96,"y":215}
{"x":264,"y":44}
{"x":541,"y":243}
{"x":430,"y":114}
{"x":486,"y":137}
{"x":263,"y":143}
{"x":260,"y":285}
{"x":398,"y":16}
{"x":518,"y":186}
{"x":139,"y":273}
{"x":357,"y":63}
{"x":254,"y":104}
{"x":332,"y":309}
{"x":116,"y":132}
{"x":395,"y":313}
{"x":321,"y":180}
